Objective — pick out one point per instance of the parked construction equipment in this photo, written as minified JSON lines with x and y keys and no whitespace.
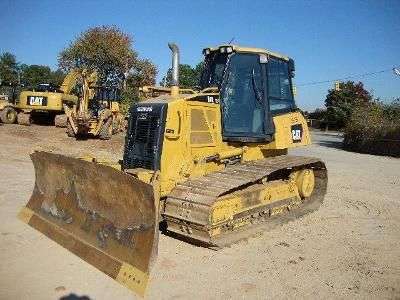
{"x":97,"y":112}
{"x":97,"y":115}
{"x":45,"y":102}
{"x":210,"y":166}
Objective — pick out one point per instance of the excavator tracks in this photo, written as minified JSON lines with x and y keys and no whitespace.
{"x":221,"y":208}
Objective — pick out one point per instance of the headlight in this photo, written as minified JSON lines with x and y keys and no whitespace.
{"x":226,"y":49}
{"x":206,"y":51}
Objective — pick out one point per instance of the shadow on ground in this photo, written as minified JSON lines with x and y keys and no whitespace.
{"x":330,"y":144}
{"x":74,"y":297}
{"x":328,"y":139}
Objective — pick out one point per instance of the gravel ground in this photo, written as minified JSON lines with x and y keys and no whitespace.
{"x":349,"y":248}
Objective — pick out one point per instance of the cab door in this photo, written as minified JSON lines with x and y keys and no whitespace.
{"x":244,"y":107}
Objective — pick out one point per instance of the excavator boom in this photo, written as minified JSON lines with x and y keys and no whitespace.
{"x":69,"y":82}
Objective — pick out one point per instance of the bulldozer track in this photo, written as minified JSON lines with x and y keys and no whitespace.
{"x":188,"y":207}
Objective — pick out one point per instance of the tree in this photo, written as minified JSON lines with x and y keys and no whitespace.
{"x":143,"y":74}
{"x":340,"y":103}
{"x":8,"y":69}
{"x":317,"y":114}
{"x":104,"y":49}
{"x":57,"y":77}
{"x":188,"y":77}
{"x":32,"y":75}
{"x":15,"y":76}
{"x":109,"y":52}
{"x":198,"y":70}
{"x":374,"y":128}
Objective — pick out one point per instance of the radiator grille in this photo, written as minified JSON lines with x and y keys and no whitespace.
{"x":144,"y":139}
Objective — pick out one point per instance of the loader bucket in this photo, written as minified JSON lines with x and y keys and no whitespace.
{"x":105,"y":216}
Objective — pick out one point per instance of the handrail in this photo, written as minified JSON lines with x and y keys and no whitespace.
{"x":148,"y":88}
{"x":210,"y":89}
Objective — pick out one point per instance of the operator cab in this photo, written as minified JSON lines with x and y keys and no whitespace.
{"x":104,"y":97}
{"x":47,"y":87}
{"x":254,"y":85}
{"x":108,"y":94}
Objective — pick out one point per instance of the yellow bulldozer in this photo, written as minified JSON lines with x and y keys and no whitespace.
{"x":209,"y":167}
{"x":97,"y":112}
{"x":45,"y":102}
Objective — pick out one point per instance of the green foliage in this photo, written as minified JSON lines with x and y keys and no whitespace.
{"x":57,"y":77}
{"x":8,"y":69}
{"x":374,"y":128}
{"x":318,"y":114}
{"x":33,"y":75}
{"x":341,"y":103}
{"x":105,"y":49}
{"x":188,"y":77}
{"x":108,"y":51}
{"x":317,"y":118}
{"x":143,"y":74}
{"x":15,"y":77}
{"x":198,"y":70}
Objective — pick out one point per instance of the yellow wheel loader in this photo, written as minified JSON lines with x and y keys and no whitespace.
{"x":211,"y":167}
{"x":45,"y":102}
{"x":97,"y":112}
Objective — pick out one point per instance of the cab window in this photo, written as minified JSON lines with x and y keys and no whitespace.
{"x":242,"y":98}
{"x":279,"y":86}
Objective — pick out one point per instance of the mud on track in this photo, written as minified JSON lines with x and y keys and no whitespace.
{"x":349,"y":248}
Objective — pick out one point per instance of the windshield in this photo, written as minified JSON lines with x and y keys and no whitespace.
{"x":109,"y":94}
{"x":213,"y":71}
{"x":46,"y":87}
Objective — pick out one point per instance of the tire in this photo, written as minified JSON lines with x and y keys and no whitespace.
{"x":106,"y":130}
{"x":61,"y":121}
{"x":24,"y":119}
{"x":70,"y":131}
{"x":8,"y":115}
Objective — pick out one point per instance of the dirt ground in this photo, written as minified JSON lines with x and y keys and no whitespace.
{"x":349,"y":248}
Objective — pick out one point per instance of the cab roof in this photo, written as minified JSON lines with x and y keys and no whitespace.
{"x":237,"y":48}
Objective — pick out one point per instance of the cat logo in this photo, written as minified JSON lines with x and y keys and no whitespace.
{"x":35,"y":100}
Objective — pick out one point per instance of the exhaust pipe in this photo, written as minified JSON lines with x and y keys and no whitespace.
{"x":175,"y":69}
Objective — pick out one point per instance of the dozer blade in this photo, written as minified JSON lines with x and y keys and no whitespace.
{"x":104,"y":216}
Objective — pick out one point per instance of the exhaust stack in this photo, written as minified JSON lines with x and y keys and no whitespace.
{"x":175,"y":69}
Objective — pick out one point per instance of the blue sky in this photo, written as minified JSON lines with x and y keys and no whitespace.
{"x":327,"y":39}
